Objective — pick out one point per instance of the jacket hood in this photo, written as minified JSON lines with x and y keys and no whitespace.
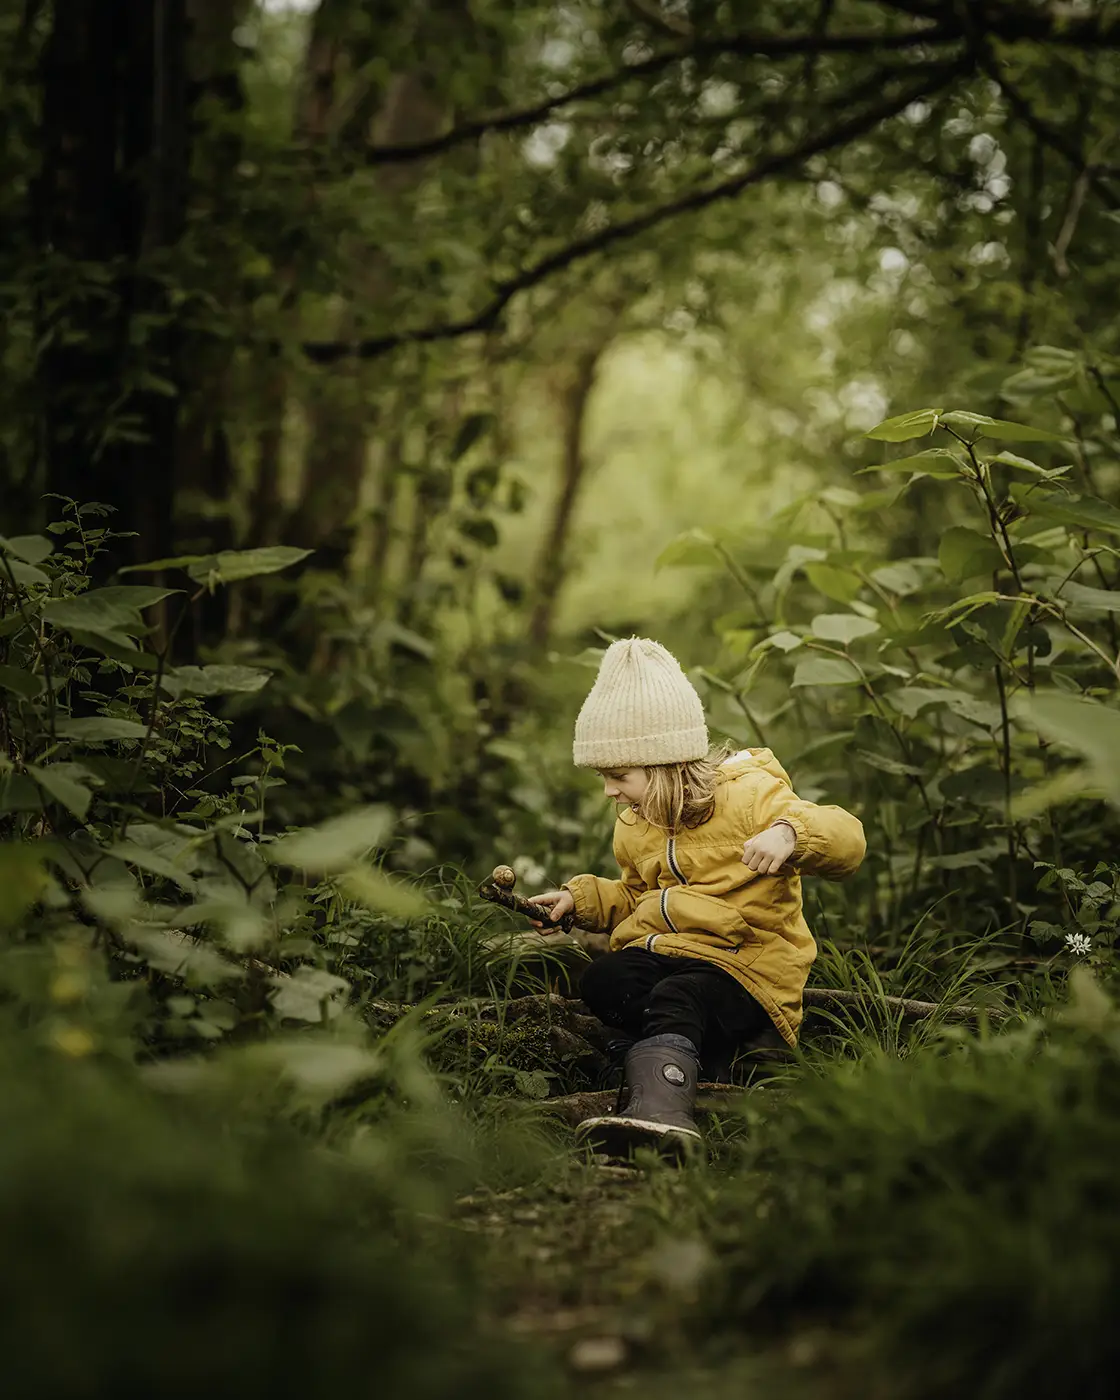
{"x":750,"y":760}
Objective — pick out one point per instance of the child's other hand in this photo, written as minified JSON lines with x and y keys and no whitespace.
{"x":556,"y":902}
{"x":770,"y":849}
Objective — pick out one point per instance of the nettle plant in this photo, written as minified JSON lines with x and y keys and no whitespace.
{"x":942,"y":693}
{"x":133,"y":848}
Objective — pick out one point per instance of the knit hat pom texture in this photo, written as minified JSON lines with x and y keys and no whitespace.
{"x":642,"y":711}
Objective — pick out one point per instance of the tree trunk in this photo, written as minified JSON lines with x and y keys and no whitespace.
{"x":110,"y":194}
{"x":552,"y":565}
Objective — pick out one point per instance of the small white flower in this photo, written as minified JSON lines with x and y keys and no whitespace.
{"x":1079,"y":944}
{"x":529,"y":871}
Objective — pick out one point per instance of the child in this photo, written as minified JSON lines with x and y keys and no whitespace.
{"x":709,"y":944}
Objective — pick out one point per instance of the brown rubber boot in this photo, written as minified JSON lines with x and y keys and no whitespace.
{"x":657,"y":1104}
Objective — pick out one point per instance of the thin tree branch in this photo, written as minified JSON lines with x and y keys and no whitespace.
{"x":327,"y":352}
{"x":647,"y":11}
{"x":1054,"y":138}
{"x":744,"y":45}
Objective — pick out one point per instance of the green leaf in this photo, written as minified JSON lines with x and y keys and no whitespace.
{"x":381,"y":892}
{"x":25,"y":575}
{"x":693,"y":549}
{"x":825,"y":670}
{"x":214,"y":680}
{"x":978,"y":425}
{"x":1022,"y":464}
{"x":152,"y":861}
{"x":333,"y":846}
{"x":1078,"y":512}
{"x":470,"y":430}
{"x":32,"y":549}
{"x":22,"y":683}
{"x":22,"y":879}
{"x":116,"y":645}
{"x":533,"y":1083}
{"x":784,"y":641}
{"x":58,"y":782}
{"x":905,"y":426}
{"x":981,"y":785}
{"x":229,"y":566}
{"x":232,"y":565}
{"x":180,"y":955}
{"x":901,"y":578}
{"x":134,"y":595}
{"x":1081,"y":596}
{"x":961,"y":608}
{"x":309,"y":994}
{"x":481,"y":529}
{"x":964,"y":553}
{"x":842,"y":627}
{"x":1088,"y":728}
{"x":924,"y":460}
{"x":910,"y":700}
{"x":93,"y":613}
{"x":838,"y":584}
{"x":99,"y":729}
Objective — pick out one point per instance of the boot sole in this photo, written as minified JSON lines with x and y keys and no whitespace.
{"x":618,"y":1137}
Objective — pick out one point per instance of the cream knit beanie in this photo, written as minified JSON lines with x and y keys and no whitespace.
{"x":642,"y":711}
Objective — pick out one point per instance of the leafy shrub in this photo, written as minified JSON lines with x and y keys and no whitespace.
{"x":957,"y":1211}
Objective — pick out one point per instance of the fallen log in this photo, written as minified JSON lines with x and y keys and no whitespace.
{"x":910,"y":1009}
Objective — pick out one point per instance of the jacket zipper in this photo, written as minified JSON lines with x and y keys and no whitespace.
{"x":671,"y":856}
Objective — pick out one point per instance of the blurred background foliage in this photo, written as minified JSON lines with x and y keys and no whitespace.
{"x":366,"y":368}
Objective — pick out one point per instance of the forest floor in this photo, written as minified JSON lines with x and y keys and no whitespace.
{"x":603,"y":1267}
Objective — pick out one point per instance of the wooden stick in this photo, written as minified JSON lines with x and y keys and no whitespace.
{"x":827,"y":999}
{"x":499,"y":890}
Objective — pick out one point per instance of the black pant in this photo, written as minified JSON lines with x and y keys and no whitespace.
{"x":646,"y":993}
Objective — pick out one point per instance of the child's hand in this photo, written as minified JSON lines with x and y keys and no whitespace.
{"x":770,"y":849}
{"x":557,"y":902}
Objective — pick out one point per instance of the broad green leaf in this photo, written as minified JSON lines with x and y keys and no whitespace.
{"x":470,"y":430}
{"x":825,"y":670}
{"x":691,"y":550}
{"x":1088,"y":728}
{"x":842,"y":627}
{"x":382,"y":893}
{"x":20,"y":682}
{"x":25,"y":575}
{"x":32,"y":549}
{"x":99,"y":729}
{"x":978,"y":425}
{"x":838,"y":584}
{"x":927,"y":462}
{"x":1091,"y":599}
{"x":180,"y":955}
{"x":981,"y":785}
{"x":116,"y":645}
{"x":91,"y":612}
{"x":886,"y":764}
{"x":784,"y":641}
{"x":905,"y":426}
{"x":1070,"y":785}
{"x":22,"y":879}
{"x":154,"y":862}
{"x":1022,"y":464}
{"x":901,"y":578}
{"x":325,"y":1068}
{"x":309,"y":994}
{"x":1078,"y":512}
{"x":228,"y":566}
{"x":59,"y":781}
{"x":134,"y":595}
{"x":232,"y":565}
{"x":333,"y":846}
{"x":481,"y":529}
{"x":964,"y":553}
{"x":910,"y":700}
{"x":214,"y":680}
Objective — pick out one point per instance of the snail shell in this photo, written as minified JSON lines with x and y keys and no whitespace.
{"x":503,"y":877}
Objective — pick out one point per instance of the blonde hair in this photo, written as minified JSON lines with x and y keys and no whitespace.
{"x":682,"y":795}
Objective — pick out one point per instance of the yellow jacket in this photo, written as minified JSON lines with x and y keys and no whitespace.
{"x":691,"y":896}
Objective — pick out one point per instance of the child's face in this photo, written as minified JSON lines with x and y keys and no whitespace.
{"x":624,"y":784}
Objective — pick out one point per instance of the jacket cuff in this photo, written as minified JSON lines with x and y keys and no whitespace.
{"x":583,"y":909}
{"x":800,"y":834}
